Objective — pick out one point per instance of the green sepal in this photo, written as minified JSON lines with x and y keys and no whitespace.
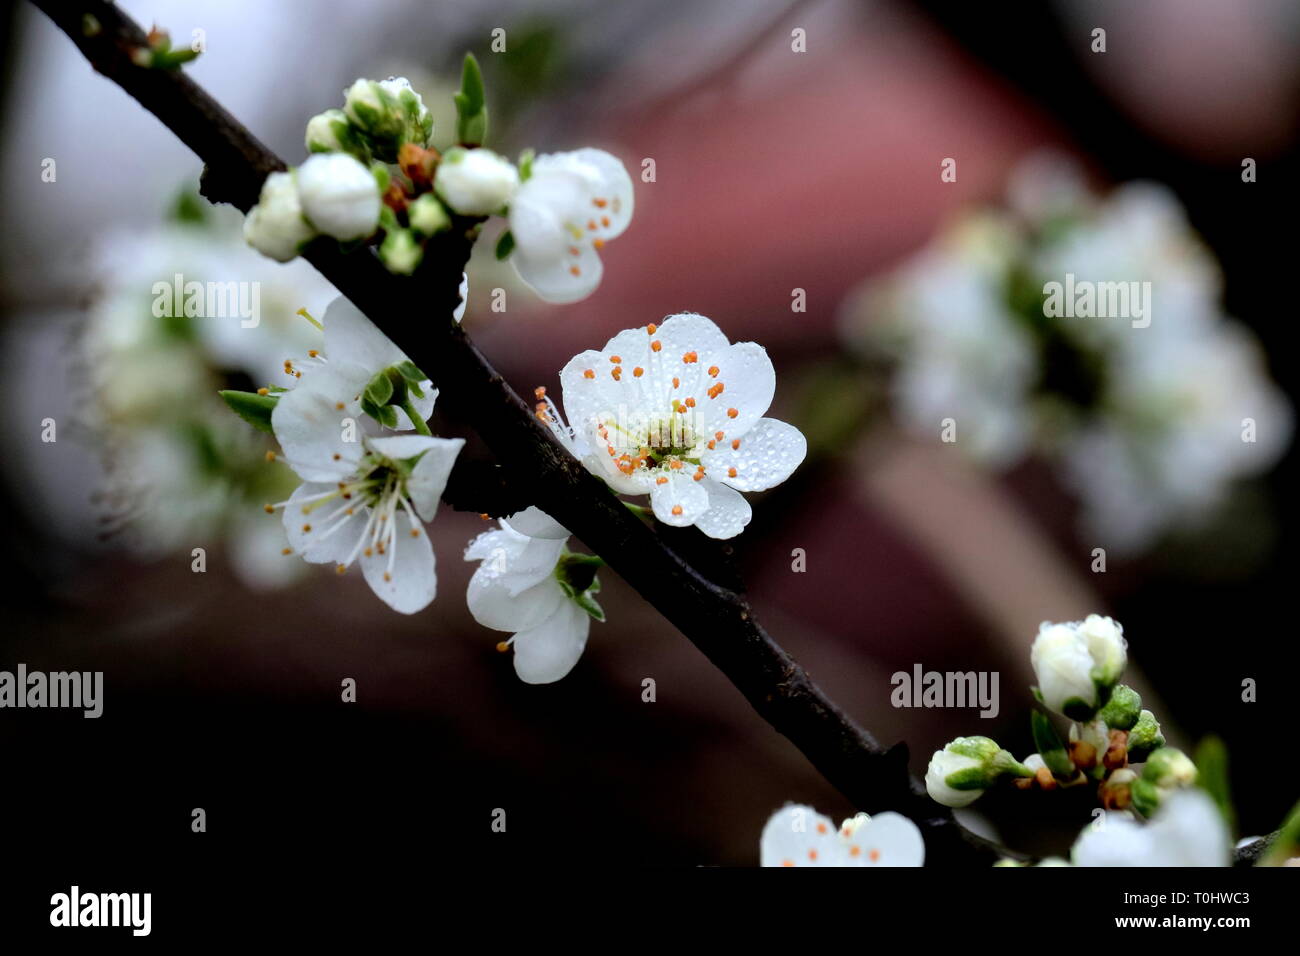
{"x":972,"y":778}
{"x":1146,"y":797}
{"x":382,"y":179}
{"x":380,"y":388}
{"x":526,"y":165}
{"x":412,"y":375}
{"x":471,"y":106}
{"x":252,"y":408}
{"x":1050,"y":745}
{"x":1123,"y":708}
{"x":1078,"y":710}
{"x":505,"y":245}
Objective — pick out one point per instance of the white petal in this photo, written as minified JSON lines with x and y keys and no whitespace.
{"x":767,"y":455}
{"x":311,"y":526}
{"x":887,"y":839}
{"x":351,"y":337}
{"x":494,"y":606}
{"x":428,"y":478}
{"x":500,"y":540}
{"x":728,"y":511}
{"x":314,"y":421}
{"x":748,"y":383}
{"x":798,"y":835}
{"x":399,"y":447}
{"x":615,"y":190}
{"x":459,"y":313}
{"x":546,"y":652}
{"x":542,"y":209}
{"x":680,"y":492}
{"x":589,"y":398}
{"x":536,"y":523}
{"x":560,"y":279}
{"x":403,"y":577}
{"x":1113,"y":840}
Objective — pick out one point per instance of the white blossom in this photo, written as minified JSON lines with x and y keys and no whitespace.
{"x":675,"y":411}
{"x":1187,"y":830}
{"x":372,"y":509}
{"x":562,"y":215}
{"x":798,"y":835}
{"x":517,"y":588}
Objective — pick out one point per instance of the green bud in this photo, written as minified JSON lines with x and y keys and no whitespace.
{"x":400,"y":252}
{"x":1169,"y":768}
{"x":428,"y":216}
{"x":968,"y":766}
{"x":1145,"y":796}
{"x":1050,"y":746}
{"x":1123,"y":709}
{"x":1144,"y":737}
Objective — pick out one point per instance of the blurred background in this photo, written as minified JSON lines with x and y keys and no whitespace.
{"x":775,"y":172}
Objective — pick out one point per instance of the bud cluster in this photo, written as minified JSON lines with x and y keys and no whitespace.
{"x":1111,"y":740}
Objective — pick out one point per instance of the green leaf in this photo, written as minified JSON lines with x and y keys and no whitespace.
{"x":380,"y":388}
{"x":1212,"y":776}
{"x":252,"y":408}
{"x":505,"y":245}
{"x":471,"y":106}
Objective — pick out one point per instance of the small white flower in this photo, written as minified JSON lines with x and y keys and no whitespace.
{"x":373,"y":509}
{"x":318,"y":422}
{"x":675,"y":411}
{"x":571,"y":205}
{"x":339,"y":195}
{"x":475,"y":182}
{"x":1074,"y":662}
{"x":517,"y":588}
{"x":798,"y":835}
{"x":1187,"y":830}
{"x":276,"y":227}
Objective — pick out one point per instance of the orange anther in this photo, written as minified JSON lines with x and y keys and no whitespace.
{"x":616,"y":359}
{"x":589,"y":374}
{"x":604,"y":221}
{"x":713,"y":371}
{"x":539,"y":392}
{"x":676,"y":381}
{"x":574,"y":270}
{"x":731,"y":472}
{"x":652,"y":328}
{"x":638,"y":372}
{"x":656,"y":345}
{"x":690,"y":357}
{"x":677,"y":509}
{"x":690,"y":403}
{"x":735,"y":444}
{"x":598,"y":243}
{"x":617,"y":372}
{"x":600,"y":203}
{"x":732,"y":412}
{"x":718,"y":435}
{"x":661,"y":480}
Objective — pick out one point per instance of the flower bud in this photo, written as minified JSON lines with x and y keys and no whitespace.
{"x":339,"y":195}
{"x":961,"y":772}
{"x":330,"y":132}
{"x":475,"y":182}
{"x":1123,"y":709}
{"x":1169,"y":768}
{"x":275,"y":227}
{"x":1144,"y":737}
{"x":401,"y":252}
{"x":1089,"y":743}
{"x":428,"y":216}
{"x":1077,"y":663}
{"x":389,"y":113}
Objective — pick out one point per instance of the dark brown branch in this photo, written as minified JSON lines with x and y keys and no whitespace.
{"x":414,"y":312}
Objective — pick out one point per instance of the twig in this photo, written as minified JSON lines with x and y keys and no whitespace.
{"x":414,"y":311}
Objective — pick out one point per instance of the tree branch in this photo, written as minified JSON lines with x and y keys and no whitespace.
{"x":415,"y":313}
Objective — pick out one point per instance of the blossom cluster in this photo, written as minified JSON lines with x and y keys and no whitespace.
{"x":1113,"y":743}
{"x":373,"y":176}
{"x":1150,"y":412}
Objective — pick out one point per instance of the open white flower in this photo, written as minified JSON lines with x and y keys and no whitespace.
{"x":525,"y":586}
{"x":475,"y":182}
{"x":1075,"y":663}
{"x":798,"y":835}
{"x":373,"y":509}
{"x":317,"y":422}
{"x":339,"y":196}
{"x":1187,"y":830}
{"x":568,"y":208}
{"x":276,"y":227}
{"x":676,"y":412}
